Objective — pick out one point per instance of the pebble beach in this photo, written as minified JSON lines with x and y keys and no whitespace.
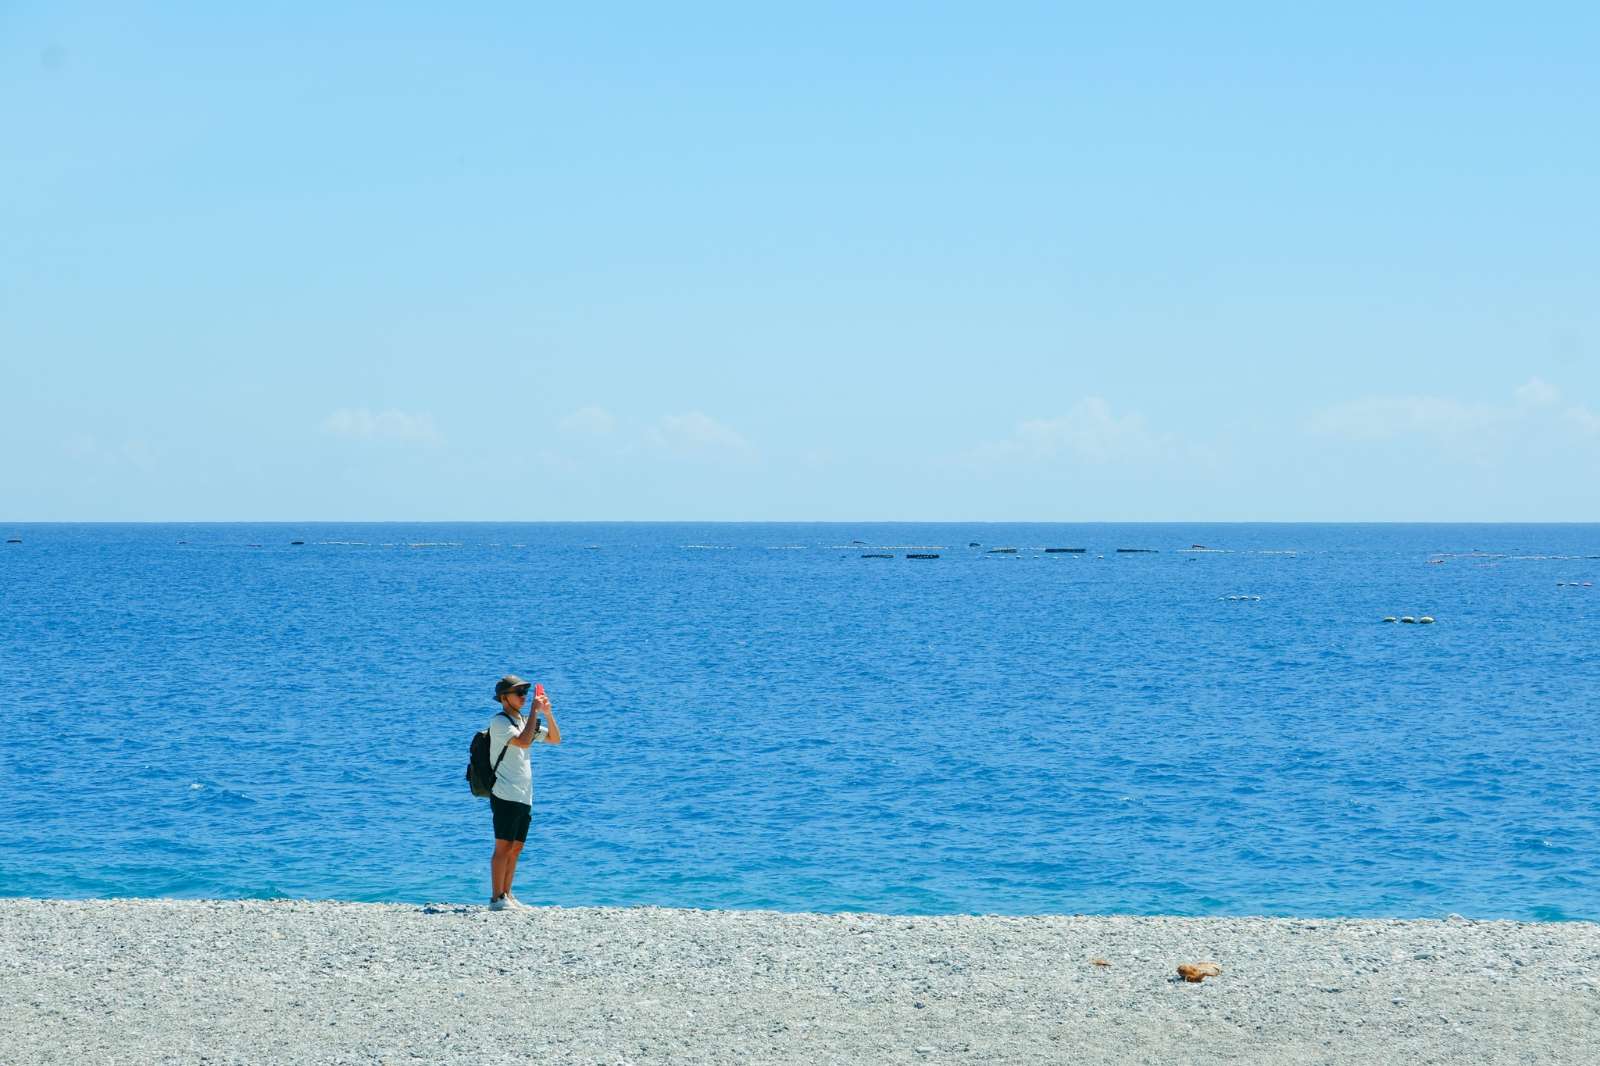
{"x":285,"y":981}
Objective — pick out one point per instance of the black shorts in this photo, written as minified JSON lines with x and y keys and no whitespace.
{"x":511,"y":819}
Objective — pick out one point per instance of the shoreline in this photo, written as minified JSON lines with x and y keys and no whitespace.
{"x":249,"y":981}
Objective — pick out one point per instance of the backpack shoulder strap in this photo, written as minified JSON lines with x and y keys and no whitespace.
{"x":507,"y":744}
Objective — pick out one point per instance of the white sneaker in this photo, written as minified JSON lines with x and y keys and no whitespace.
{"x":499,"y":904}
{"x":514,"y":903}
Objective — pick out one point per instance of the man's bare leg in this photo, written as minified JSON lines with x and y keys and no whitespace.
{"x":511,"y":863}
{"x":501,"y":866}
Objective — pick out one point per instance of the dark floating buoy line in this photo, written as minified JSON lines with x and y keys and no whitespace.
{"x":1436,"y":557}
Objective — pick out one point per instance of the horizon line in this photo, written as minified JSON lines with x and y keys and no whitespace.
{"x":793,"y":521}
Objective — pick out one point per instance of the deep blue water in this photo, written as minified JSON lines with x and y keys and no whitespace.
{"x":756,"y":716}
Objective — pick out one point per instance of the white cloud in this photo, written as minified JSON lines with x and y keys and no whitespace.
{"x":1585,"y":421}
{"x":588,"y":422}
{"x":1537,"y":393}
{"x":1089,"y":434}
{"x":698,"y":434}
{"x":1384,"y":417}
{"x":359,"y":423}
{"x":1533,"y":406}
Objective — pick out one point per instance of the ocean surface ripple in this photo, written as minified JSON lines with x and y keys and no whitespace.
{"x":211,"y":710}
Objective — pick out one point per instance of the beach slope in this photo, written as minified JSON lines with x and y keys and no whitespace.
{"x":159,"y":981}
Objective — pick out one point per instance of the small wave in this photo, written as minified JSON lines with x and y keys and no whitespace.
{"x":345,"y":543}
{"x":435,"y":544}
{"x":217,"y":794}
{"x":1544,"y":845}
{"x":707,"y":547}
{"x":786,"y":547}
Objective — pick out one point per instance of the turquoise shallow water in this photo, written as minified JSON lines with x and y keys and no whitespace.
{"x":757,"y":716}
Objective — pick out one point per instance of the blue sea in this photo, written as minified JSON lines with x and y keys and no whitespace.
{"x":758,"y":716}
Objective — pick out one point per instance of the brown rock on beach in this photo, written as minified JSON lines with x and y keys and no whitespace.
{"x":1195,"y":972}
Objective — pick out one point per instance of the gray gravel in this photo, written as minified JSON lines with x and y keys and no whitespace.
{"x":164,"y":981}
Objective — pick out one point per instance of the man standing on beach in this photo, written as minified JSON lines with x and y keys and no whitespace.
{"x":510,"y":737}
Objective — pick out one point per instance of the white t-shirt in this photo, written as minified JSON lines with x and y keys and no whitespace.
{"x":514,"y":780}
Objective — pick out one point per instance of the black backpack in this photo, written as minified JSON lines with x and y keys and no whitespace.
{"x":480,"y":775}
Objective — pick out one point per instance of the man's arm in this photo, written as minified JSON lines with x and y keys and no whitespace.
{"x":530,"y":728}
{"x":542,"y":704}
{"x":530,"y":731}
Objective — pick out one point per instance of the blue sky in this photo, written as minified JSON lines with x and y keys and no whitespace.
{"x":1009,"y":262}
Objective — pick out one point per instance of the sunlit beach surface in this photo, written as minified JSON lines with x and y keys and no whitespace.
{"x":163,"y":981}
